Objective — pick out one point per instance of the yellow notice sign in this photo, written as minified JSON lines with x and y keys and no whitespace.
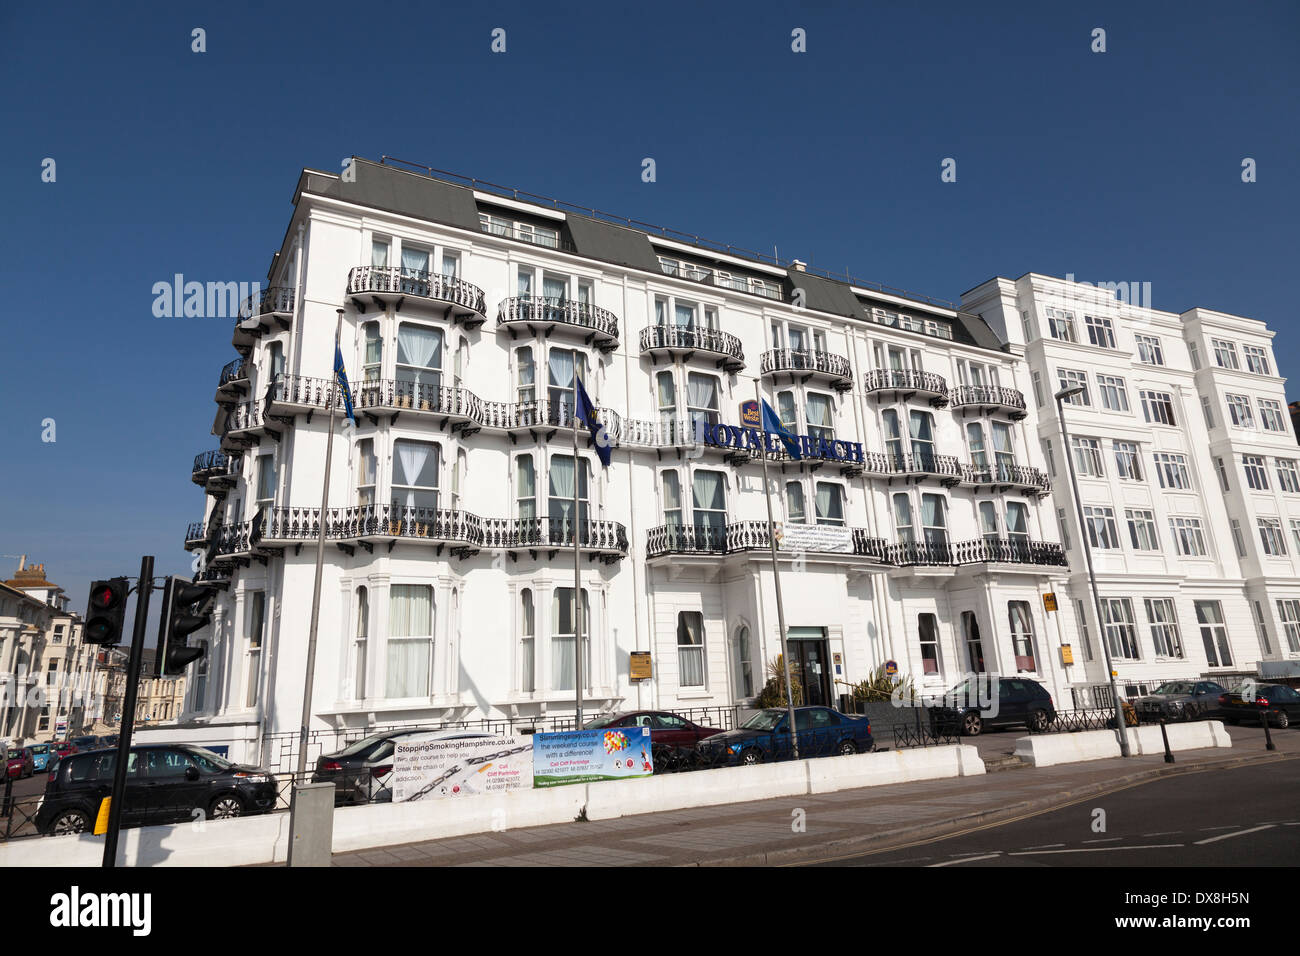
{"x":101,"y":821}
{"x":640,"y":665}
{"x":1049,"y":601}
{"x":1067,"y":654}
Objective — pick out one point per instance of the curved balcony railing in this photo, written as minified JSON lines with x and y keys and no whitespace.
{"x":906,"y":554}
{"x":215,"y":464}
{"x":922,"y":463}
{"x":539,"y":413}
{"x":1010,"y":551}
{"x":725,"y":344}
{"x":235,"y":372}
{"x":807,"y":360}
{"x":418,"y":396}
{"x":905,"y":379}
{"x":271,"y":301}
{"x":196,"y":534}
{"x":593,"y":534}
{"x":602,"y":323}
{"x":989,"y":396}
{"x":738,"y":536}
{"x":1004,"y":474}
{"x":425,"y":285}
{"x":244,"y":416}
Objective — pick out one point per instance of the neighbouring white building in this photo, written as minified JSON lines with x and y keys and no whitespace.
{"x":1189,"y":472}
{"x":917,"y":527}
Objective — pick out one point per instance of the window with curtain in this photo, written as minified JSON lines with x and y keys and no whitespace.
{"x":903,"y":527}
{"x":701,"y":400}
{"x":1214,"y":635}
{"x":562,"y":367}
{"x":934,"y":522}
{"x":415,"y":475}
{"x":893,"y":437}
{"x":1018,"y":527}
{"x":526,"y":374}
{"x":922,"y":433}
{"x":989,"y":522}
{"x":379,"y":252}
{"x":410,"y":641}
{"x":1002,"y":450}
{"x":1022,"y":635}
{"x":419,"y":362}
{"x":458,"y":469}
{"x":975,"y":441}
{"x":563,"y":629}
{"x":661,"y":311}
{"x":560,"y":506}
{"x":830,"y":503}
{"x":785,"y":408}
{"x":684,"y":314}
{"x":450,"y":265}
{"x":690,"y":649}
{"x":415,"y":271}
{"x":265,"y":481}
{"x":255,"y":628}
{"x":361,"y":631}
{"x":367,"y":465}
{"x":527,"y":642}
{"x":744,"y":668}
{"x":974,"y":643}
{"x":526,"y":487}
{"x":372,"y":363}
{"x":1163,"y":620}
{"x":672,"y":499}
{"x":666,"y":398}
{"x":275,"y":356}
{"x":524,"y":281}
{"x":1117,"y":625}
{"x":709,"y":508}
{"x":820,"y":423}
{"x":795,"y":512}
{"x":927,"y":635}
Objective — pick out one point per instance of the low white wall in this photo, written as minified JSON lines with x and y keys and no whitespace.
{"x":1195,"y":735}
{"x":1044,"y":750}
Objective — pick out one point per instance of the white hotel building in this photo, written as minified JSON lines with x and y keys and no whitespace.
{"x":447,"y":590}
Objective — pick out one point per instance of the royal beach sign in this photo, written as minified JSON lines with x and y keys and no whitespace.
{"x":750,"y":436}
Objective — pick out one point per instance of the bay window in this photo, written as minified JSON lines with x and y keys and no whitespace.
{"x":690,"y":649}
{"x":1022,"y":636}
{"x":563,"y":632}
{"x":709,"y":508}
{"x":830,"y":503}
{"x":416,"y":466}
{"x":560,"y":505}
{"x":410,"y":641}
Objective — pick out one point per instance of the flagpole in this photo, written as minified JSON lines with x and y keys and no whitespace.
{"x":776,"y":577}
{"x":577,"y":580}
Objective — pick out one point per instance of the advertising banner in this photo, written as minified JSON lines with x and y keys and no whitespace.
{"x":427,"y":768}
{"x":814,"y":537}
{"x":584,"y":756}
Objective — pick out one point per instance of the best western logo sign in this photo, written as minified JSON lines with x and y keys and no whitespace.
{"x":749,"y":436}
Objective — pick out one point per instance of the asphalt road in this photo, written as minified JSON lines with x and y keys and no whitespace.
{"x":1242,"y":816}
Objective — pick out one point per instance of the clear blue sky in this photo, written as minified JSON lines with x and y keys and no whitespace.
{"x":1116,"y":166}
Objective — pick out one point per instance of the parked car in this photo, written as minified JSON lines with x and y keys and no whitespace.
{"x":666,"y":728}
{"x":165,"y":783}
{"x":42,"y":756}
{"x":822,"y":731}
{"x":89,"y":742}
{"x":110,"y":740}
{"x":63,"y":748}
{"x":21,"y":762}
{"x":1180,"y":700}
{"x":1279,"y":702}
{"x":360,"y":772}
{"x":1021,"y":701}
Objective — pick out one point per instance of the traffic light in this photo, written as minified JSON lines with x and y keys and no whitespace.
{"x":105,"y":612}
{"x":184,"y":611}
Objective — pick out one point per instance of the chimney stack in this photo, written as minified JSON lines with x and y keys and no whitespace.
{"x":799,"y":265}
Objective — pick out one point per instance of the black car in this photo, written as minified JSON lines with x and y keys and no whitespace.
{"x":1180,"y":700}
{"x":765,"y":736}
{"x":360,"y":772}
{"x":165,"y":783}
{"x":1247,"y":704}
{"x":969,"y":709}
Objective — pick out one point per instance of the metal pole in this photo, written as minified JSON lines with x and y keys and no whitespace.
{"x":1120,"y":728}
{"x":577,"y":579}
{"x":776,"y":578}
{"x":134,"y":661}
{"x":315,"y":593}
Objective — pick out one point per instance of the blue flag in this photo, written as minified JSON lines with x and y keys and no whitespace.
{"x":341,"y":377}
{"x":586,"y":413}
{"x":773,"y":424}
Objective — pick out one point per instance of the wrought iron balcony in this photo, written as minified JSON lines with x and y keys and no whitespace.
{"x":258,"y":312}
{"x":909,"y":381}
{"x":196,"y":535}
{"x":809,"y":363}
{"x":684,"y":340}
{"x":245,"y":424}
{"x":233,"y":380}
{"x":533,"y":311}
{"x":910,"y":553}
{"x":739,"y":536}
{"x":290,"y":394}
{"x":216,"y":468}
{"x":1018,"y":476}
{"x":1019,"y":550}
{"x":945,"y":467}
{"x":463,"y":302}
{"x":993,"y":397}
{"x":457,"y":405}
{"x":537,"y":534}
{"x":540,"y":413}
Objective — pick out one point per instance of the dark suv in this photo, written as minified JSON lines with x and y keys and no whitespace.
{"x":165,"y":783}
{"x":1021,"y":701}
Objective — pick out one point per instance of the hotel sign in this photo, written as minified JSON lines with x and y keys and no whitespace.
{"x":814,"y":537}
{"x":750,"y":436}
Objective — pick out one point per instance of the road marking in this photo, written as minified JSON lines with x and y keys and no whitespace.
{"x":1105,"y":840}
{"x":1101,"y":849}
{"x":1042,"y":846}
{"x":1212,"y":829}
{"x":969,"y":859}
{"x":1162,"y":833}
{"x":1229,"y":836}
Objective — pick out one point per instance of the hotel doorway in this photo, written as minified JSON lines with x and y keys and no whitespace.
{"x":809,"y":652}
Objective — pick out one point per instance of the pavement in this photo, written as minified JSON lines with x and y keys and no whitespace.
{"x":814,"y":828}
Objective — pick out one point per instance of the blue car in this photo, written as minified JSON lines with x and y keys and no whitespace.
{"x":822,"y":732}
{"x":41,"y":755}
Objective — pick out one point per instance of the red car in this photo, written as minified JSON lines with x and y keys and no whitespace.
{"x":666,"y":729}
{"x":60,"y":749}
{"x":21,"y":762}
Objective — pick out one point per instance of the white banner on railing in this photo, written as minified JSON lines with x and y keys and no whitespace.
{"x":429,"y":767}
{"x":814,"y":537}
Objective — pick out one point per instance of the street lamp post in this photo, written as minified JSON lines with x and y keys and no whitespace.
{"x":1120,"y":728}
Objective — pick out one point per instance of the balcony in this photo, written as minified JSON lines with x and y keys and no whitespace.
{"x":1003,"y":551}
{"x":907,"y":382}
{"x":767,"y":288}
{"x":741,"y":536}
{"x":547,"y":313}
{"x":216,"y":471}
{"x":459,"y":407}
{"x":1020,"y":477}
{"x":539,"y":415}
{"x":233,"y":381}
{"x":722,"y":348}
{"x":990,"y":398}
{"x":244,"y":427}
{"x":919,"y":466}
{"x":460,"y":301}
{"x":808,"y":364}
{"x":258,"y":313}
